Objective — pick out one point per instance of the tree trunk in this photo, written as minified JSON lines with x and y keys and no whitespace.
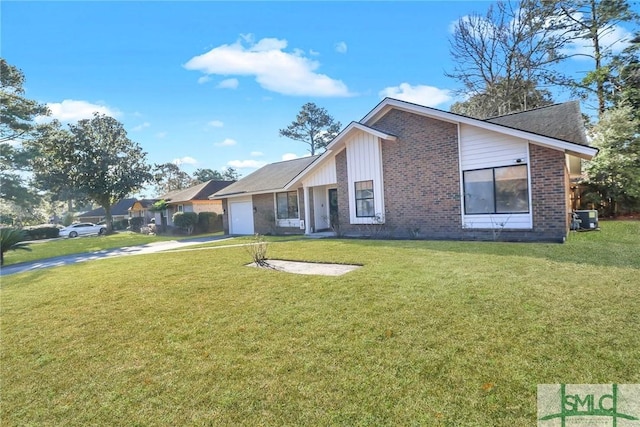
{"x":108,"y":218}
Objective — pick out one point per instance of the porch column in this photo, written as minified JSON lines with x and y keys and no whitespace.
{"x":307,"y":209}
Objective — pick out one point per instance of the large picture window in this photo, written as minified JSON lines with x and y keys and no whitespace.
{"x":365,"y":206}
{"x":496,"y":190}
{"x":287,"y":205}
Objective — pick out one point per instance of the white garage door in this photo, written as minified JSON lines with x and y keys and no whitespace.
{"x":241,"y":217}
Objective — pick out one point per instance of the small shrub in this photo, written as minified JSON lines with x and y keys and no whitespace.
{"x":186,"y":220}
{"x":209,"y":222}
{"x":136,"y":223}
{"x":258,"y":250}
{"x":120,"y":224}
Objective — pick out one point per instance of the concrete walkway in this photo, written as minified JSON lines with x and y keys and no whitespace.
{"x":107,"y":253}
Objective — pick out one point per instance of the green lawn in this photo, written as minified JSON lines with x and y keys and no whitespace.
{"x":426,"y":333}
{"x":52,"y":248}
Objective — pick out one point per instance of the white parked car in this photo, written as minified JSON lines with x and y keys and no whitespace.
{"x":82,"y":228}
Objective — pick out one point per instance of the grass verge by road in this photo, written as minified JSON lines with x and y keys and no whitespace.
{"x":58,"y":247}
{"x":426,"y":333}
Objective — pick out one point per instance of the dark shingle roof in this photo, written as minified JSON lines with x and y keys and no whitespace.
{"x":560,"y":121}
{"x":197,"y":192}
{"x":274,"y":176}
{"x":119,"y":208}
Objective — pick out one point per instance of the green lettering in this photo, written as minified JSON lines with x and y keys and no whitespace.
{"x":610,"y":397}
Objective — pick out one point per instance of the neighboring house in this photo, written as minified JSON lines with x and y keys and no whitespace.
{"x":119,"y":212}
{"x":406,"y":170}
{"x":142,"y":208}
{"x":192,"y":199}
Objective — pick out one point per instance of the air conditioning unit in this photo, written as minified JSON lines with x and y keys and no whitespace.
{"x":588,"y":219}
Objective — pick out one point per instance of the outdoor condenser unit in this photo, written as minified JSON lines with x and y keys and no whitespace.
{"x":588,"y":219}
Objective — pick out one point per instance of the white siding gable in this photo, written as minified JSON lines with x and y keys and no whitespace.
{"x":364,"y":163}
{"x":480,"y":149}
{"x":324,"y":175}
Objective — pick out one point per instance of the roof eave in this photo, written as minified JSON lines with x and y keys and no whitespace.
{"x":582,"y":151}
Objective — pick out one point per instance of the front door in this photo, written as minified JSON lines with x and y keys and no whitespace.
{"x":333,"y":208}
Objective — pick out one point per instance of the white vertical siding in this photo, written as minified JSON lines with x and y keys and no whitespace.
{"x":364,"y":163}
{"x":479,"y":149}
{"x":324,"y":175}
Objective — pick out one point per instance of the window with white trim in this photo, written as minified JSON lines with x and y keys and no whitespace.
{"x":501,"y":190}
{"x":287,"y":205}
{"x":365,"y":206}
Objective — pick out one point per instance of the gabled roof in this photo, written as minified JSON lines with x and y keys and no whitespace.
{"x":272,"y":177}
{"x":568,"y":146}
{"x":119,"y":208}
{"x":339,"y":141}
{"x":557,"y":126}
{"x":146,"y":203}
{"x":560,"y":121}
{"x":197,"y":192}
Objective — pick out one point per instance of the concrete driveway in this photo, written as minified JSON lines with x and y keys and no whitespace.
{"x":107,"y":253}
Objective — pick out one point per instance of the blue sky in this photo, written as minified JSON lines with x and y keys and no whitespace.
{"x":208,"y":84}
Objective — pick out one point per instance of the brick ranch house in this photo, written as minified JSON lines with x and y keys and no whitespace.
{"x":192,"y":199}
{"x":409,"y":171}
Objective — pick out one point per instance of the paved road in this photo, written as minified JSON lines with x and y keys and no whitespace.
{"x":106,"y":253}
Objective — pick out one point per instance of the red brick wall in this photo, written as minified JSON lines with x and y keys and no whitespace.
{"x":343,"y":193}
{"x":550,"y":193}
{"x":421,"y":175}
{"x":264,"y":216}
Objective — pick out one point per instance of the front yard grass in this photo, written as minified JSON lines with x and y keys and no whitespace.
{"x":66,"y":246}
{"x":426,"y":333}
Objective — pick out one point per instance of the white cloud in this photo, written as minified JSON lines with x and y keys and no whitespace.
{"x":141,"y":126}
{"x":228,"y":84}
{"x":228,"y":142}
{"x":70,"y":110}
{"x":287,"y":73}
{"x":216,"y":124}
{"x":289,"y":156}
{"x":341,"y":47}
{"x":161,"y":135}
{"x":184,"y":161}
{"x":204,"y":79}
{"x":246,"y":164}
{"x":257,"y":154}
{"x":424,"y":95}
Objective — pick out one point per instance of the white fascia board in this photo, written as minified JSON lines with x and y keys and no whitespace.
{"x":333,"y":146}
{"x":387,"y":104}
{"x":245,"y":194}
{"x":346,"y":132}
